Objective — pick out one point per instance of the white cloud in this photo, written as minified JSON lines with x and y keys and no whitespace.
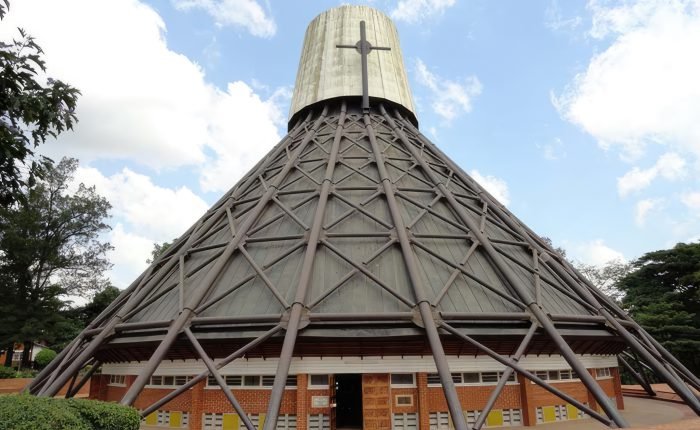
{"x":643,"y":89}
{"x":244,"y":128}
{"x":141,"y":101}
{"x":669,"y":166}
{"x":128,"y":256}
{"x":643,"y":208}
{"x":156,"y":213}
{"x":238,"y":13}
{"x":497,"y":187}
{"x":554,"y":150}
{"x":596,"y":252}
{"x":692,"y":201}
{"x":448,"y":98}
{"x":413,"y":11}
{"x":554,"y":20}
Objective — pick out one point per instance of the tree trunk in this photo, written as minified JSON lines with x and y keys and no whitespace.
{"x":8,"y":355}
{"x":27,"y":355}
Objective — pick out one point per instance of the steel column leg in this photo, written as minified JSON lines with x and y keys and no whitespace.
{"x":453,"y":403}
{"x":512,"y":281}
{"x":209,"y":280}
{"x":678,"y":386}
{"x":219,"y":380}
{"x":95,"y":365}
{"x":504,"y":379}
{"x":304,"y":280}
{"x":518,"y":368}
{"x":637,"y":377}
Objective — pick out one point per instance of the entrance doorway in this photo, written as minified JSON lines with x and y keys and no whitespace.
{"x":348,"y":397}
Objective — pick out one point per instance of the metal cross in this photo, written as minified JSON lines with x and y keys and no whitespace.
{"x":364,"y":48}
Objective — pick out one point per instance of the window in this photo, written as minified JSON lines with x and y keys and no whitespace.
{"x":175,"y":419}
{"x":489,"y":377}
{"x":250,"y":381}
{"x":405,"y":421}
{"x":405,"y":379}
{"x":318,"y":380}
{"x":439,"y":421}
{"x":433,"y":379}
{"x":470,"y":378}
{"x":168,"y":380}
{"x":319,"y":422}
{"x":603,"y":372}
{"x":512,"y":417}
{"x":555,"y":375}
{"x":403,"y":400}
{"x":119,"y":380}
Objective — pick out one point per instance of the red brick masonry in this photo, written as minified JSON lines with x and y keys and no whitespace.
{"x":297,"y":401}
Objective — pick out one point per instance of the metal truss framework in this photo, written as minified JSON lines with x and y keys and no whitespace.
{"x":390,"y":149}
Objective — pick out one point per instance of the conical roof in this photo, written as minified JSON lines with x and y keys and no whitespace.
{"x":358,"y":266}
{"x":357,"y":236}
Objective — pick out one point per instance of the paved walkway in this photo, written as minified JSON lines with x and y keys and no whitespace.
{"x":640,"y":413}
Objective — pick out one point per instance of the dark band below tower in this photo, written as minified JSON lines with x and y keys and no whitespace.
{"x":357,"y":252}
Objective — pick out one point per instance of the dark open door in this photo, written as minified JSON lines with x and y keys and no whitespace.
{"x":348,"y":399}
{"x":333,"y":401}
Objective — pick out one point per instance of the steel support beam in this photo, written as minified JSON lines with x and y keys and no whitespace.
{"x":637,"y":377}
{"x":192,"y":382}
{"x":140,"y":288}
{"x":219,"y":380}
{"x":504,"y":379}
{"x":423,"y":302}
{"x":198,"y":295}
{"x":511,"y":279}
{"x":518,"y":368}
{"x":95,"y":365}
{"x":299,"y":303}
{"x":677,"y":385}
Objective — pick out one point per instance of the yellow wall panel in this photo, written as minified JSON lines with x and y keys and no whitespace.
{"x":261,"y":421}
{"x":548,"y":414}
{"x":571,"y":412}
{"x":152,"y":419}
{"x":495,"y":418}
{"x":230,"y":422}
{"x":175,"y":419}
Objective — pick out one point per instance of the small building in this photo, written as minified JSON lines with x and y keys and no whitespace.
{"x":18,"y":351}
{"x":357,"y":277}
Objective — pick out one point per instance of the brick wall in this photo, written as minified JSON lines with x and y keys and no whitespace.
{"x":199,"y":399}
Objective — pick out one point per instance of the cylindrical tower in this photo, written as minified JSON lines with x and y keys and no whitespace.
{"x":357,"y":277}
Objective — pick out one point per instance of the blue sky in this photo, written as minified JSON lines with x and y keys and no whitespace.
{"x":582,"y":116}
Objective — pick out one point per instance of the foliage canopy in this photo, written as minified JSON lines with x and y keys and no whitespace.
{"x":32,"y":108}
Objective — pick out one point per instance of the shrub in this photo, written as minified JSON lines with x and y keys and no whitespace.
{"x":44,"y":357}
{"x":25,"y":412}
{"x":26,"y":373}
{"x":106,"y":416}
{"x":7,"y":372}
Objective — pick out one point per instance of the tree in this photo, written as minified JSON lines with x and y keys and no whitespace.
{"x":30,"y":112}
{"x":158,"y":249}
{"x":49,"y":249}
{"x":663,"y":295}
{"x":606,"y":277}
{"x":558,"y":249}
{"x":86,"y":314}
